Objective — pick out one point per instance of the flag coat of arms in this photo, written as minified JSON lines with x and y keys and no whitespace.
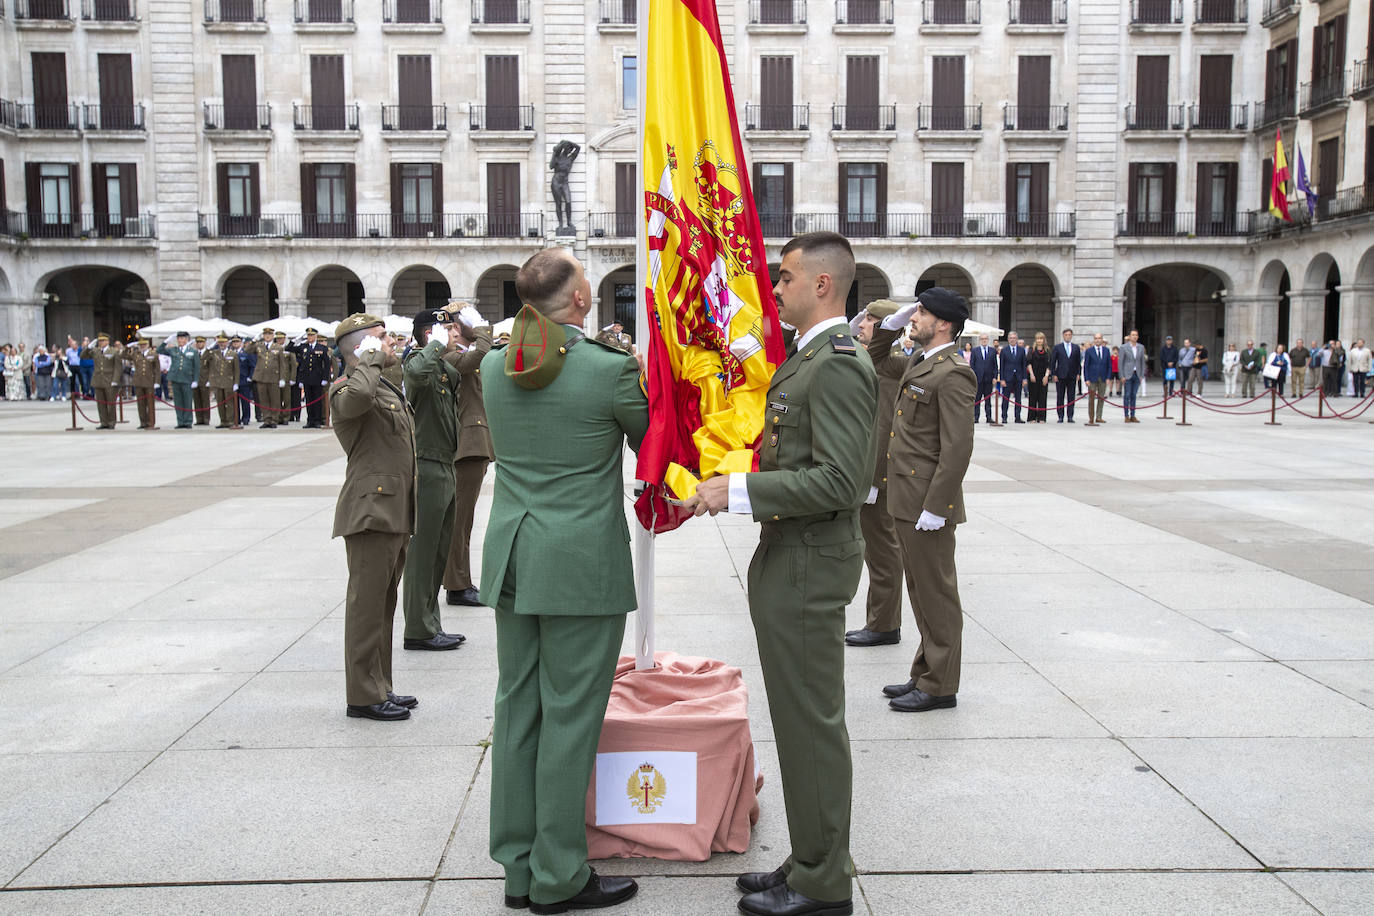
{"x":713,"y":337}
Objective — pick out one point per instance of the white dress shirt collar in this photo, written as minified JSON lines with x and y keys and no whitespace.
{"x":818,"y":328}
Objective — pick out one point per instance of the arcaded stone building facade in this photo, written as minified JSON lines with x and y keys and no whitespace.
{"x":1099,"y":164}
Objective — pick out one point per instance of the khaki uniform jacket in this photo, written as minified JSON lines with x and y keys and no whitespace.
{"x":889,"y":361}
{"x":289,"y":365}
{"x":109,"y":366}
{"x":818,"y":449}
{"x":147,"y":367}
{"x":931,"y":441}
{"x":372,"y":422}
{"x":474,"y":438}
{"x":432,"y":388}
{"x":219,"y":368}
{"x":621,"y":341}
{"x":269,"y":365}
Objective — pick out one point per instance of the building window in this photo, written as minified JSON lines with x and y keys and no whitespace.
{"x":56,"y":182}
{"x":240,"y":186}
{"x":330,"y":193}
{"x":1149,"y":190}
{"x":114,"y":206}
{"x":773,"y":195}
{"x":629,"y":83}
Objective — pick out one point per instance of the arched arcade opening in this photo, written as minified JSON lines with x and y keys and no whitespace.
{"x":618,"y":301}
{"x":249,"y":296}
{"x":419,"y":287}
{"x":1182,"y":300}
{"x":497,"y":299}
{"x":1027,"y":302}
{"x":333,"y":294}
{"x":82,"y":301}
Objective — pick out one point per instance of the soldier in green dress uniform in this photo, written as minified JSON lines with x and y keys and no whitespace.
{"x":183,"y":375}
{"x":147,"y":370}
{"x":815,"y":465}
{"x":106,"y":377}
{"x":473,"y":455}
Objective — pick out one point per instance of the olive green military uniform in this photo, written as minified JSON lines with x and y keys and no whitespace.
{"x":184,"y":369}
{"x":471,"y":460}
{"x":928,"y":454}
{"x":147,"y":373}
{"x":394,"y":374}
{"x":432,"y":388}
{"x":106,"y":378}
{"x":265,"y":377}
{"x":621,"y":341}
{"x":815,"y":465}
{"x":375,"y":516}
{"x":882,"y":550}
{"x":288,"y":365}
{"x":200,"y":392}
{"x":219,"y":372}
{"x":556,"y":567}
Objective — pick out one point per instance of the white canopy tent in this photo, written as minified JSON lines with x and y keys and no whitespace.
{"x":194,"y":326}
{"x":502,"y":328}
{"x":974,"y":328}
{"x":292,"y":326}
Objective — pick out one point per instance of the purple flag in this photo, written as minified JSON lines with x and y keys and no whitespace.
{"x":1304,"y":187}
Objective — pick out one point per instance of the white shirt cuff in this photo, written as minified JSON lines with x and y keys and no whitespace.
{"x":872,"y":496}
{"x":739,"y":495}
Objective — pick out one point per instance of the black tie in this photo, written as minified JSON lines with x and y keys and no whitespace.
{"x":917,"y":361}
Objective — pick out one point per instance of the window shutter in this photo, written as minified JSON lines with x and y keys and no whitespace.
{"x":256,"y":202}
{"x":775,"y":93}
{"x":1318,"y":63}
{"x":99,"y":195}
{"x":4,"y":204}
{"x":1033,"y":93}
{"x":222,"y":190}
{"x":1292,"y":85}
{"x":239,"y":73}
{"x":844,"y":191}
{"x":308,"y":189}
{"x":1232,"y":169}
{"x":33,"y":193}
{"x":787,"y":192}
{"x":438,"y":198}
{"x":882,"y":199}
{"x":1204,"y":194}
{"x":1266,"y":181}
{"x":1011,"y":195}
{"x":350,"y":198}
{"x":503,"y":92}
{"x":1132,"y":180}
{"x":1214,"y":91}
{"x":1170,"y":201}
{"x":1369,"y":154}
{"x":1270,"y":77}
{"x":397,"y":195}
{"x":1338,"y":58}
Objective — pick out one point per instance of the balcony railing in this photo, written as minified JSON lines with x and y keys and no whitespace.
{"x":863,"y":12}
{"x":80,"y":225}
{"x":1221,"y":12}
{"x":501,"y":12}
{"x":777,"y":117}
{"x":49,"y":10}
{"x":237,"y":117}
{"x":1154,"y":117}
{"x":611,"y":225}
{"x":1151,"y":224}
{"x":44,"y":116}
{"x":1363,"y":83}
{"x":109,"y":10}
{"x":374,"y":225}
{"x":235,"y":10}
{"x":1344,"y":204}
{"x":617,"y":12}
{"x":324,"y":11}
{"x":1272,"y":111}
{"x":863,"y":117}
{"x":1035,"y":117}
{"x":777,"y":12}
{"x":1156,"y":12}
{"x":501,"y":117}
{"x":951,"y":12}
{"x":412,"y":12}
{"x":1317,"y":95}
{"x":1219,"y":117}
{"x":414,"y":117}
{"x":13,"y":222}
{"x":949,"y":117}
{"x":1037,"y":12}
{"x":859,"y":224}
{"x":114,"y":117}
{"x":325,"y":117}
{"x":1276,"y":11}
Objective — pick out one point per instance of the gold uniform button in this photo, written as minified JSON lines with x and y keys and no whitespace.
{"x":775,"y":419}
{"x":899,"y":413}
{"x":884,"y":480}
{"x":892,"y":435}
{"x":775,"y":518}
{"x":379,"y":489}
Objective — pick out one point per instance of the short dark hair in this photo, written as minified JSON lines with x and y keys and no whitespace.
{"x":543,"y":277}
{"x":827,"y":245}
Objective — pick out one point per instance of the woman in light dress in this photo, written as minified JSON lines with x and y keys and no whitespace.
{"x":1230,"y":369}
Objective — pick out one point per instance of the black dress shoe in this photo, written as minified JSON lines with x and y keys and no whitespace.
{"x":899,"y":690}
{"x":866,"y":637}
{"x":598,"y":892}
{"x":468,"y":597}
{"x":784,"y":901}
{"x":755,"y":881}
{"x":436,"y":643}
{"x":920,"y":701}
{"x":386,"y":711}
{"x":408,"y":702}
{"x":517,"y":902}
{"x":458,"y":636}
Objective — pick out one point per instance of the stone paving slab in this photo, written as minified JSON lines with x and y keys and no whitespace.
{"x":399,"y":897}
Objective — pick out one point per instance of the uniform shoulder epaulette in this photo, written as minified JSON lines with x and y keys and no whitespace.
{"x":602,"y":344}
{"x":842,"y":343}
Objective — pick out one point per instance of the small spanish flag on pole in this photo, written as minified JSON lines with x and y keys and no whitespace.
{"x":1278,"y":187}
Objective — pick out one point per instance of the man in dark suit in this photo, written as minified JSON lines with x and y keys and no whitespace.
{"x":1168,"y":359}
{"x":1097,"y":368}
{"x":1013,"y":373}
{"x":983,"y":362}
{"x":1066,"y":361}
{"x":314,"y":367}
{"x":247,"y":363}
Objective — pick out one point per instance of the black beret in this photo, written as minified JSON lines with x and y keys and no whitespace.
{"x":429,"y":317}
{"x":944,"y":303}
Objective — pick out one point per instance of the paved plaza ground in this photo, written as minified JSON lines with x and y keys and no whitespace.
{"x":1167,"y":701}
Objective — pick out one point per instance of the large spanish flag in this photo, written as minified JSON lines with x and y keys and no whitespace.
{"x":1278,"y":185}
{"x":713,"y":338}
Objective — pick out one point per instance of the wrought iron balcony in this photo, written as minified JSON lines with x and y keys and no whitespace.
{"x":1182,"y":224}
{"x":1277,"y":11}
{"x":1035,"y":117}
{"x":1221,"y":12}
{"x":1037,"y":12}
{"x":858,"y":224}
{"x":951,"y":12}
{"x":616,"y":225}
{"x":43,"y":116}
{"x":42,"y":10}
{"x":1272,"y":111}
{"x":237,"y":117}
{"x":501,"y":117}
{"x":1156,"y":12}
{"x":91,"y":226}
{"x":1321,"y":93}
{"x":1363,"y":83}
{"x":618,"y":12}
{"x":777,"y":12}
{"x":325,"y":117}
{"x":414,"y":117}
{"x":863,"y":12}
{"x":412,"y":12}
{"x":949,"y":117}
{"x":325,"y":12}
{"x":109,"y":10}
{"x":863,"y":117}
{"x":236,"y":11}
{"x":777,"y":117}
{"x":500,"y":12}
{"x":114,"y":117}
{"x":1219,"y":117}
{"x":1154,"y":117}
{"x":378,"y":226}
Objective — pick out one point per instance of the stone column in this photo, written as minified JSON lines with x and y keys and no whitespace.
{"x":1306,"y":313}
{"x":295,"y":308}
{"x":1243,"y":319}
{"x":985,"y":309}
{"x":212,"y":307}
{"x":23,"y":320}
{"x":374,"y":306}
{"x":1118,"y":329}
{"x":1357,"y":312}
{"x":1063,"y":317}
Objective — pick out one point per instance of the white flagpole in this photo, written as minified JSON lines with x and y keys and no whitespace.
{"x":644,"y":540}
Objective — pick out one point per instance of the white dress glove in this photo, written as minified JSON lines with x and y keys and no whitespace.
{"x":236,"y":387}
{"x":440,"y":333}
{"x":281,"y":383}
{"x":195,"y":384}
{"x":856,"y":322}
{"x":469,"y":315}
{"x":928,"y":522}
{"x":900,"y":318}
{"x":872,"y":496}
{"x":367,"y":345}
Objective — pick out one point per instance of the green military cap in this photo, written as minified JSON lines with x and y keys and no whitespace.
{"x":356,"y":322}
{"x":280,"y":335}
{"x":201,"y":338}
{"x":221,"y":337}
{"x":536,"y":352}
{"x":882,"y":308}
{"x":183,"y":333}
{"x":102,"y":336}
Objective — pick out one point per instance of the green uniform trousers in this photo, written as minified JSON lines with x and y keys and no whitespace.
{"x":106,"y":403}
{"x":147,"y":408}
{"x":181,"y":400}
{"x":226,"y":401}
{"x":200,"y":397}
{"x":933,"y":585}
{"x":798,"y":592}
{"x":428,"y":547}
{"x":375,"y":561}
{"x":883,"y":557}
{"x":467,"y":475}
{"x":554,"y":680}
{"x":267,"y":399}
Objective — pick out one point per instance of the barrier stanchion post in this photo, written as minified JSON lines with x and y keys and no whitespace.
{"x":119,"y":400}
{"x":1321,"y":402}
{"x":74,"y":428}
{"x":1273,"y":407}
{"x":1183,"y":402}
{"x":1165,"y":415}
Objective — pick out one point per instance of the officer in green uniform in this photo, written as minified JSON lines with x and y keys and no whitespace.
{"x":106,"y":377}
{"x":219,"y":371}
{"x":928,"y":454}
{"x":815,"y":465}
{"x":266,"y":374}
{"x":473,"y":455}
{"x":200,"y":392}
{"x":882,"y":551}
{"x":182,"y":374}
{"x":556,"y":568}
{"x":147,"y":372}
{"x":431,"y":385}
{"x":375,"y":514}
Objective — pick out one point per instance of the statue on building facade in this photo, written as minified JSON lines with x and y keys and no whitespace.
{"x":564,"y":155}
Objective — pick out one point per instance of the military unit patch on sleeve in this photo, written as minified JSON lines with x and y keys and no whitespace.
{"x":842,"y":343}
